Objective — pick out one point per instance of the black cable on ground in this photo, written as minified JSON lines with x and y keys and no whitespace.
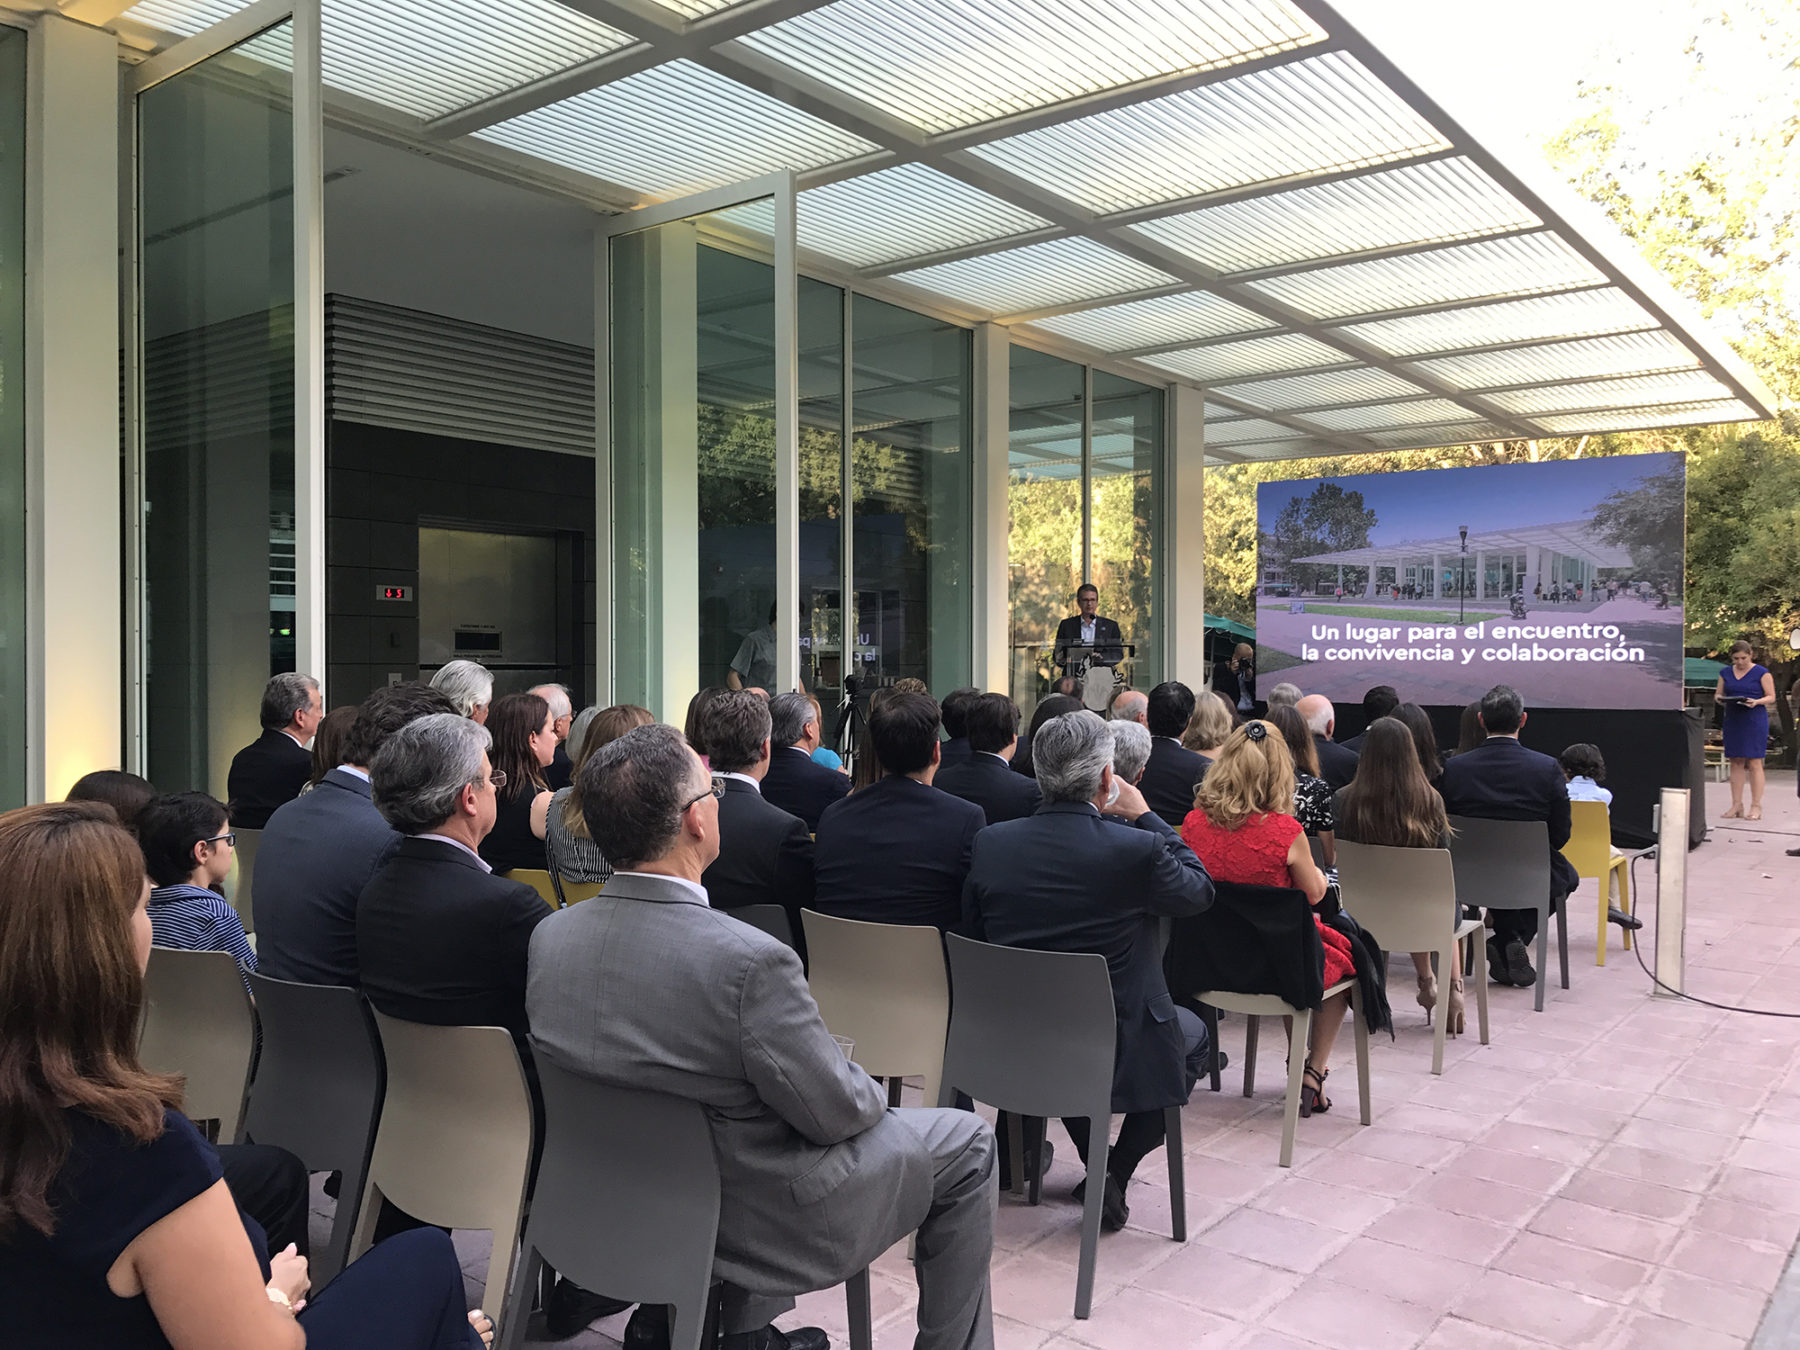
{"x":1637,"y":950}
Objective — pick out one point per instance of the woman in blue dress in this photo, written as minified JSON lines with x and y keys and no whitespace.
{"x":1746,"y":691}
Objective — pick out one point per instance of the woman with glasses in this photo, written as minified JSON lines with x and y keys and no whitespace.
{"x":188,"y":849}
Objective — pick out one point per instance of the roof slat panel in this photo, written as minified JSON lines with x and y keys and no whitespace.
{"x":1419,"y":412}
{"x":1538,"y":262}
{"x":675,"y":129}
{"x":1552,"y":316}
{"x":1442,"y":201}
{"x":1684,"y":386}
{"x":1248,"y":429}
{"x":945,"y":64}
{"x":1623,"y":354}
{"x":1313,"y":116}
{"x":1253,"y":356}
{"x":1337,"y":386}
{"x":1187,"y":317}
{"x":1630,"y":419}
{"x":1037,"y":276}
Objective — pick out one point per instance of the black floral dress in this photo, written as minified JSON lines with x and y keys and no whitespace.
{"x":1312,"y":805}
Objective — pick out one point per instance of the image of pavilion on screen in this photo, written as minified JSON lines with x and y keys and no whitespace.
{"x":1562,"y":579}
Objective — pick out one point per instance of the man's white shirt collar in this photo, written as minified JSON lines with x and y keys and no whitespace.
{"x":695,"y":887}
{"x":457,"y":843}
{"x":352,"y":769}
{"x":743,"y":778}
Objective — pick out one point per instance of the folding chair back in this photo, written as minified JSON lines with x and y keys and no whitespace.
{"x":885,"y":986}
{"x":198,"y":1022}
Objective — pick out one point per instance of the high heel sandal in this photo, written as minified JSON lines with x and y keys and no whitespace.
{"x":1454,"y":1013}
{"x":1313,"y":1100}
{"x":1428,"y":993}
{"x":1755,"y":813}
{"x":1736,"y":813}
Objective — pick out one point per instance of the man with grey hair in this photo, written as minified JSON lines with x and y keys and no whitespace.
{"x":1131,"y":749}
{"x":1337,"y":763}
{"x":562,"y":715}
{"x":1284,"y":695}
{"x":1094,"y":870}
{"x":469,"y":685}
{"x":647,"y":986}
{"x":795,"y":782}
{"x":271,"y":770}
{"x":1132,"y":705}
{"x":440,"y":939}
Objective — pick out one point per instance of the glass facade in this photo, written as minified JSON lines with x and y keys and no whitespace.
{"x":216,"y":304}
{"x":822,"y":518}
{"x":12,"y":418}
{"x":1084,"y":504}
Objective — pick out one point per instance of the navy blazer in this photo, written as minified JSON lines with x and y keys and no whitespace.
{"x":896,"y":851}
{"x":1337,"y":763}
{"x":1170,"y":776}
{"x":954,"y":750}
{"x":317,"y":854}
{"x":1502,"y":780}
{"x":443,"y":941}
{"x":989,"y":782}
{"x":1068,"y":880}
{"x":1108,"y":644}
{"x":266,"y":774}
{"x":765,"y":855}
{"x":801,"y":787}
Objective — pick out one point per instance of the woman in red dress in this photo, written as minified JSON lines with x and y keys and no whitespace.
{"x":1244,"y":831}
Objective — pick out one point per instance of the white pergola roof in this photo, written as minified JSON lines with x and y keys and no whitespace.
{"x":1241,"y":194}
{"x":1571,"y":538}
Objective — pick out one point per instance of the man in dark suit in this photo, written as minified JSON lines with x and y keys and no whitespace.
{"x":986,"y":777}
{"x":765,"y":855}
{"x":1088,"y":629}
{"x":1071,"y":879}
{"x":562,"y":716}
{"x":1502,"y":780}
{"x":1376,"y":704}
{"x":955,"y":749}
{"x":439,"y":938}
{"x":793,"y":782}
{"x":1174,"y":771}
{"x":1337,"y":763}
{"x":898,"y":851}
{"x":319,"y":851}
{"x":272,"y":769}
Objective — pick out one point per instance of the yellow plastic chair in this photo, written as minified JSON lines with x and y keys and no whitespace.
{"x":574,"y":892}
{"x":1590,"y":851}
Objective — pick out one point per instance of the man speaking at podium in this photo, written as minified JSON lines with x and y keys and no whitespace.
{"x":1088,"y":630}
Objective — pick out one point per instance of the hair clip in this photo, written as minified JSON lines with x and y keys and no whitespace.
{"x":1255,"y":731}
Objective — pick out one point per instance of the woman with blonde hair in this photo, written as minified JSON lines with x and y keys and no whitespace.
{"x":1243,"y":829}
{"x":569,"y":849}
{"x":1212,"y":721}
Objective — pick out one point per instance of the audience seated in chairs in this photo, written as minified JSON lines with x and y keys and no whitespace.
{"x":986,"y":777}
{"x":120,"y":1226}
{"x":1093,"y":871}
{"x":562,"y":718}
{"x":569,"y":852}
{"x":794,"y":782}
{"x":1585,"y":769}
{"x":469,"y":685}
{"x":955,"y":749}
{"x":1283,"y":695}
{"x":1131,"y":750}
{"x":523,"y":746}
{"x":1502,"y":780}
{"x":126,"y":793}
{"x":1377,"y":703}
{"x":696,"y":710}
{"x":187,"y":844}
{"x":1469,"y":731}
{"x":1243,"y":831}
{"x":328,"y":744}
{"x":276,"y":765}
{"x":1416,"y":720}
{"x":1175,"y":768}
{"x":1337,"y":763}
{"x":646,"y":986}
{"x":898,"y":850}
{"x":765,"y":854}
{"x":1130,"y":705}
{"x":319,"y":851}
{"x":1312,"y":795}
{"x":1391,"y":802}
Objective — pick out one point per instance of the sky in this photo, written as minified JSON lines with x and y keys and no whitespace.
{"x":1431,"y":503}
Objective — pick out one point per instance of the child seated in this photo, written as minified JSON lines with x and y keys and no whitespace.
{"x":1585,"y":770}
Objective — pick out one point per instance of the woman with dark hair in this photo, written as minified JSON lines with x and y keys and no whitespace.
{"x":696,"y":718}
{"x":569,"y":849}
{"x":1312,"y":794}
{"x":1053,"y":706}
{"x":1416,"y":720}
{"x":1470,"y":732}
{"x":126,"y":793}
{"x":116,"y":1226}
{"x":1391,"y":802}
{"x":524,"y":743}
{"x":328,"y":742}
{"x":1746,"y":691}
{"x":188,"y":847}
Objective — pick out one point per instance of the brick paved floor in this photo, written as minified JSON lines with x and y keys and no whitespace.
{"x":1618,"y":1172}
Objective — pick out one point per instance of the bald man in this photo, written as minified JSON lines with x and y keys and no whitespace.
{"x":1132,"y":705}
{"x":1337,"y":763}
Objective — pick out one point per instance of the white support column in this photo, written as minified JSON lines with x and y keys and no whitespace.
{"x":1533,"y":578}
{"x":787,"y":444}
{"x":1480,"y":574}
{"x":1437,"y":576}
{"x":993,"y":596}
{"x":75,"y":666}
{"x":309,"y":346}
{"x":1185,"y":550}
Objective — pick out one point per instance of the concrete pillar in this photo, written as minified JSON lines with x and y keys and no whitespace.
{"x":1437,"y":576}
{"x":1184,"y":547}
{"x":993,"y":657}
{"x":1480,"y":574}
{"x":75,"y":667}
{"x":1533,"y":574}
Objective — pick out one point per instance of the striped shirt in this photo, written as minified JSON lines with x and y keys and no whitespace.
{"x":194,"y":919}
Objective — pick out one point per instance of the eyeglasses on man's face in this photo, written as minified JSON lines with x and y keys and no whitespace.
{"x":496,"y":777}
{"x":716,"y":790}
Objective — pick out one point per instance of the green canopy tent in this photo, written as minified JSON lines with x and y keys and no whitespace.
{"x":1223,"y":636}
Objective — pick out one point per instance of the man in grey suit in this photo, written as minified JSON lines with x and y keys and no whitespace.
{"x":647,"y":986}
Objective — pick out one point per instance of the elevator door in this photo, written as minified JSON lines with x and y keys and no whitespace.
{"x":490,"y":597}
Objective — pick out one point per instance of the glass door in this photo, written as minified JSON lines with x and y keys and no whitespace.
{"x":225,"y":399}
